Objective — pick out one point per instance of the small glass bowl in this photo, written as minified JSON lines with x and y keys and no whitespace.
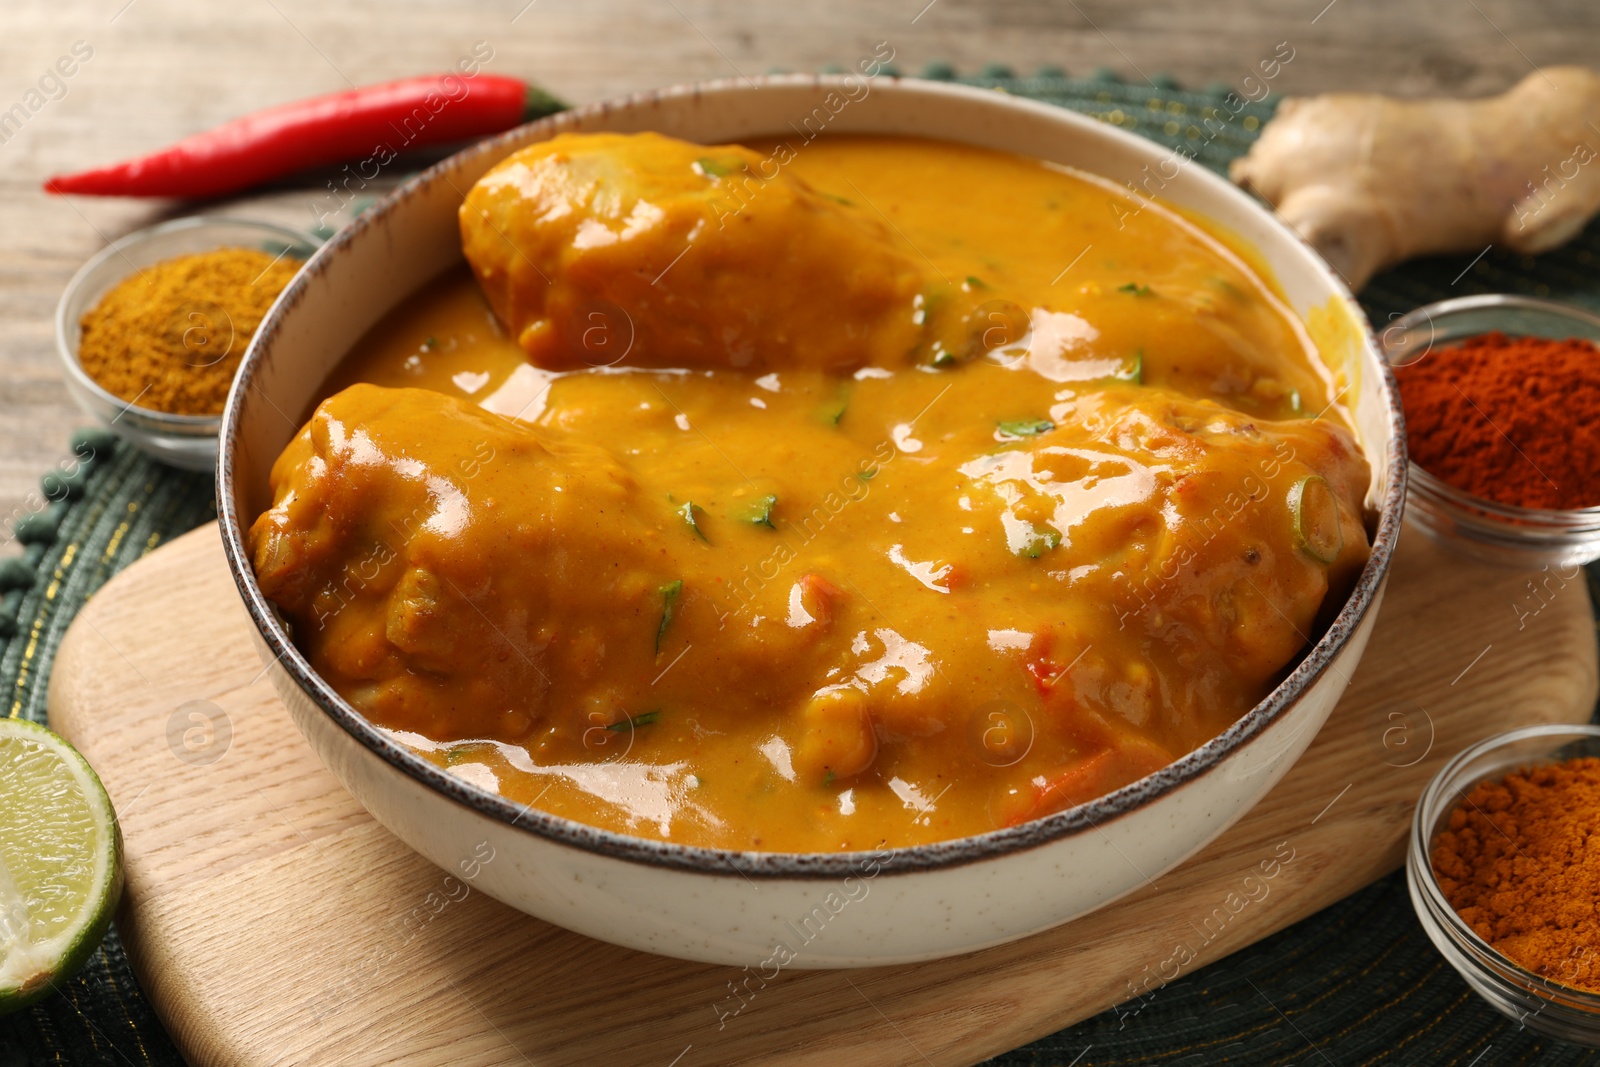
{"x":1484,"y":529}
{"x":187,"y":441}
{"x":1532,"y":1000}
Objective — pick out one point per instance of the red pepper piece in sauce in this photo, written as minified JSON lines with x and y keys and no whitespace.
{"x":1128,"y":759}
{"x":373,"y":120}
{"x":1040,"y":663}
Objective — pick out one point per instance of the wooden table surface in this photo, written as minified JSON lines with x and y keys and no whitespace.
{"x":161,"y":69}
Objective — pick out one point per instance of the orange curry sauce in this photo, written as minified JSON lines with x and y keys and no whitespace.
{"x":1051,"y":513}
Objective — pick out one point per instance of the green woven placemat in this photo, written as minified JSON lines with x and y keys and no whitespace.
{"x":1357,"y":983}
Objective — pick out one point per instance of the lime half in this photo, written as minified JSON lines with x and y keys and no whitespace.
{"x":60,"y":862}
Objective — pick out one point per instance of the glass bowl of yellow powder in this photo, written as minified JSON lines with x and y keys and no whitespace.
{"x":151,"y":330}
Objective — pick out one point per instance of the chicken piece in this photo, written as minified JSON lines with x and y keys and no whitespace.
{"x":639,"y":249}
{"x":1208,"y":544}
{"x":458,"y":574}
{"x":399,"y":545}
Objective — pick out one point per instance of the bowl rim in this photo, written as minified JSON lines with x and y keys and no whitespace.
{"x":1553,"y":522}
{"x":187,"y":424}
{"x":1419,"y":869}
{"x":1083,"y":818}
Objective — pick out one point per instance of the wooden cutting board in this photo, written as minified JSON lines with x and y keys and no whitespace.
{"x":272,"y":921}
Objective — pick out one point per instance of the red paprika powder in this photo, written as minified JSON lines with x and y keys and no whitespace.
{"x":1515,"y":420}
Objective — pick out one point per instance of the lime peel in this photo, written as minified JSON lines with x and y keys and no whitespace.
{"x":60,"y":862}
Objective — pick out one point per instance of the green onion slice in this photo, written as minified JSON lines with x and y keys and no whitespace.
{"x":1135,"y":373}
{"x":1316,"y":519}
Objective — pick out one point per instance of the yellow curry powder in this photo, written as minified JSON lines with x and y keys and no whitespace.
{"x":170,"y":337}
{"x":1520,"y":863}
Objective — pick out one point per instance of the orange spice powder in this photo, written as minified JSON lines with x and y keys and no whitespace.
{"x":170,"y":336}
{"x":1519,"y":861}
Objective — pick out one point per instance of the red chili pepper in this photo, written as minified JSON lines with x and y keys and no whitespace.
{"x":378,"y":121}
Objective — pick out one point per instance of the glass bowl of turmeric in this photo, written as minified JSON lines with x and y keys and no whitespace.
{"x":1502,"y":405}
{"x":1505,"y":881}
{"x":151,"y":330}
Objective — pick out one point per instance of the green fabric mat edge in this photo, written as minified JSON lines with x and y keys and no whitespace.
{"x":1355,"y":983}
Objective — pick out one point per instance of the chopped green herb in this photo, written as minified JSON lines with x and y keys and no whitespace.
{"x":1228,"y":287}
{"x":840,"y":200}
{"x":927,"y":304}
{"x":868,"y":475}
{"x":828,"y":776}
{"x":833,"y":410}
{"x":1025,"y":427}
{"x":1136,"y":289}
{"x":687,"y":513}
{"x":638,"y":720}
{"x":716,"y":168}
{"x":760,"y":514}
{"x":942,"y":356}
{"x":456,"y":754}
{"x":430,"y":344}
{"x":1041,"y":543}
{"x":976,"y":283}
{"x":669,"y":608}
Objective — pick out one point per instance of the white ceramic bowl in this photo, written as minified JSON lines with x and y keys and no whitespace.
{"x":830,"y":910}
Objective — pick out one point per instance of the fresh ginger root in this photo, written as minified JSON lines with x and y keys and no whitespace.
{"x":1369,"y":180}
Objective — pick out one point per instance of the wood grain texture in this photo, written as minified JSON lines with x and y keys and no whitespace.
{"x":271,"y":921}
{"x":163,"y":69}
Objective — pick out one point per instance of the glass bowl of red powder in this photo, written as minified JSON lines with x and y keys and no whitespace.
{"x":1502,"y":408}
{"x":1503,"y":881}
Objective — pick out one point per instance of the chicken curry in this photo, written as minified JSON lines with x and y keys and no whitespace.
{"x":867,"y":492}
